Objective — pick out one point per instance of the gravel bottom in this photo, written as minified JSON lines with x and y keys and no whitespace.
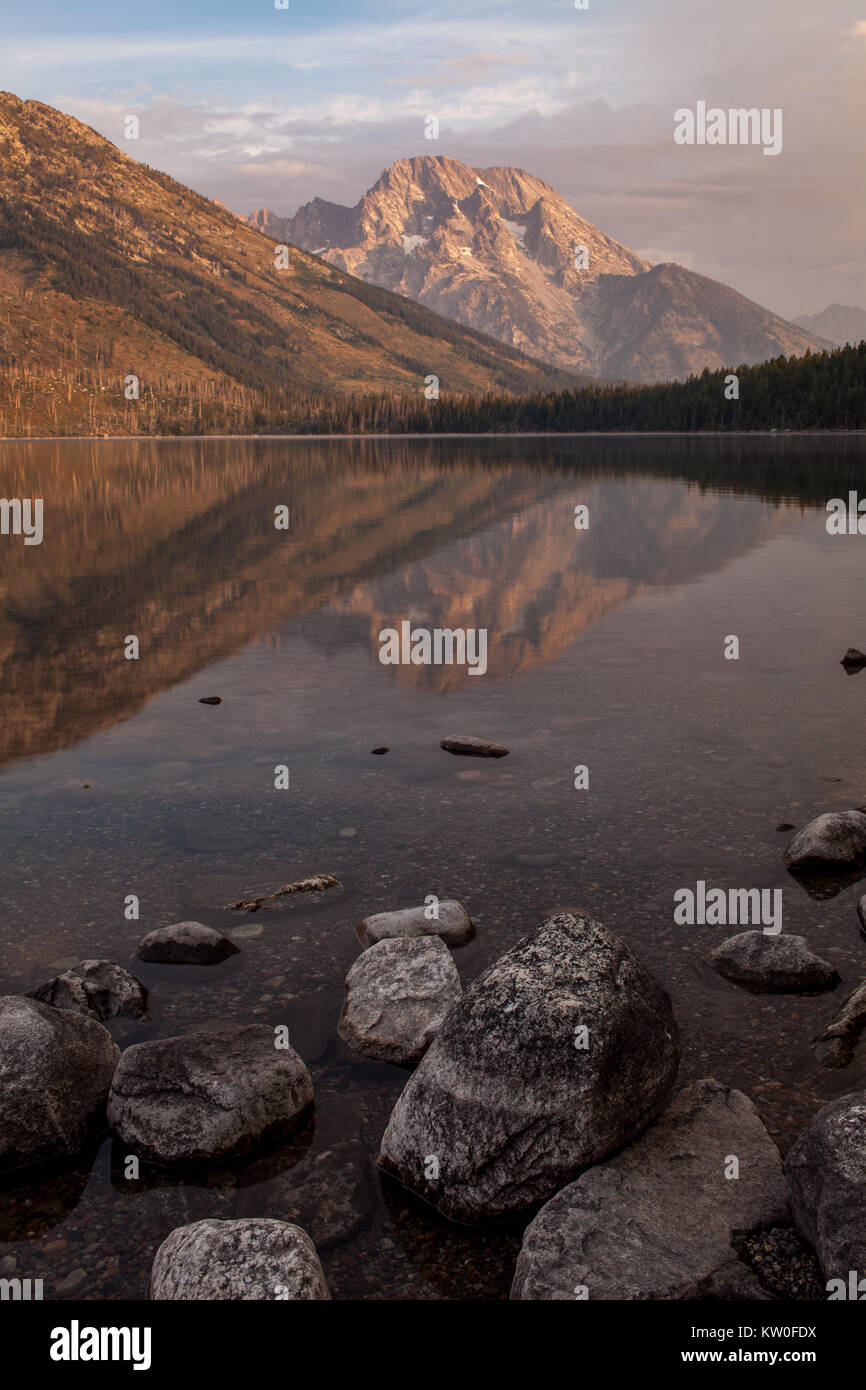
{"x":785,"y":1264}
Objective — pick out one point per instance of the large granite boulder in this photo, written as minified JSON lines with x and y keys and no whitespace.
{"x":452,"y":923}
{"x":98,"y":988}
{"x":660,"y":1220}
{"x":834,"y":843}
{"x":55,"y":1070}
{"x":826,"y":1168}
{"x":206,"y":1096}
{"x":238,"y":1260}
{"x":186,"y":943}
{"x":773,"y":964}
{"x":561,"y":1051}
{"x":397,"y":995}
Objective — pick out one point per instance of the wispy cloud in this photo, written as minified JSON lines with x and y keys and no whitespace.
{"x":261,"y":107}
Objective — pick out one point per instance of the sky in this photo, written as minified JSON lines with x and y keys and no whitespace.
{"x":267,"y":107}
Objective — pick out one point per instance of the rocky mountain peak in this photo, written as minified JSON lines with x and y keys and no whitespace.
{"x":500,"y":250}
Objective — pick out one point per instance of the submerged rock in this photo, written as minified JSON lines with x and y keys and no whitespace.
{"x":838,"y":1042}
{"x":452,"y":923}
{"x":474,"y":747}
{"x":329,"y":1192}
{"x":772,"y":964}
{"x":854,"y":657}
{"x":210,"y":700}
{"x":659,"y":1221}
{"x":238,"y":1260}
{"x":561,"y":1051}
{"x":826,"y":1169}
{"x":834,"y":843}
{"x":397,"y":995}
{"x":98,"y":988}
{"x":186,"y":943}
{"x":206,"y":1096}
{"x":56,"y":1067}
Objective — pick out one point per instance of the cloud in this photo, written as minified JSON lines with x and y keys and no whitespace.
{"x":585,"y":100}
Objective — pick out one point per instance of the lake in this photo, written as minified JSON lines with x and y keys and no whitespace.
{"x":606,"y":650}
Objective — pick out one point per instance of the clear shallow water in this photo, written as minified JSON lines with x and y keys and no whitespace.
{"x":605,"y":649}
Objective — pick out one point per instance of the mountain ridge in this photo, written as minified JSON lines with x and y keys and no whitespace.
{"x":839,"y":323}
{"x":109,"y":269}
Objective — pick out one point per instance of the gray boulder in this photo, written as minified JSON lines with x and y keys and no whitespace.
{"x":772,"y":964}
{"x":474,"y":747}
{"x":186,"y":943}
{"x":659,"y":1221}
{"x":207,"y":1096}
{"x":238,"y":1260}
{"x":561,"y":1051}
{"x":834,"y":843}
{"x":397,"y":995}
{"x":55,"y":1068}
{"x":838,"y":1042}
{"x":826,"y":1168}
{"x":452,"y":923}
{"x":98,"y":988}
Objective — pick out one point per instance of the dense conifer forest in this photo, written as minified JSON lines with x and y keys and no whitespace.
{"x":821,"y":391}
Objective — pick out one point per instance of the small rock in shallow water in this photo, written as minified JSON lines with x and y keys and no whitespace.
{"x":854,"y":657}
{"x":72,"y":1284}
{"x":838,"y":1042}
{"x":474,"y":747}
{"x":772,"y":964}
{"x":397,"y":995}
{"x":834,"y":843}
{"x":785,"y":825}
{"x":98,"y":988}
{"x":452,"y":922}
{"x":380,"y":750}
{"x":254,"y":1258}
{"x":210,"y":700}
{"x":186,"y":943}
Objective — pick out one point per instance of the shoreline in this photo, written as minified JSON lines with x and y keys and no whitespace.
{"x":472,"y":434}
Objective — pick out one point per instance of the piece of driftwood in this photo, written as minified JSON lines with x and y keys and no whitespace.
{"x":317,"y":883}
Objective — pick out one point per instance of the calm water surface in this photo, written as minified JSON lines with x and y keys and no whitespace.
{"x":605,"y":649}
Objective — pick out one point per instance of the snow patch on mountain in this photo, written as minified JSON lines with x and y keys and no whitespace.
{"x":411,"y":243}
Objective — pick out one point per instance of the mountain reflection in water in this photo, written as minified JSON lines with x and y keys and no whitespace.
{"x":175,"y":542}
